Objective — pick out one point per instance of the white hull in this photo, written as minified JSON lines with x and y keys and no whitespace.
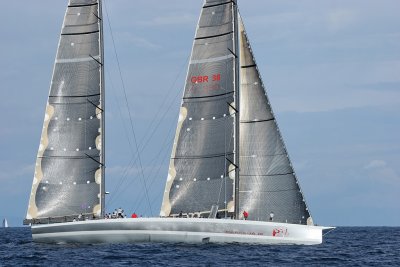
{"x":181,"y":230}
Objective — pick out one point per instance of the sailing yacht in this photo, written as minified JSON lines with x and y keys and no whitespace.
{"x":5,"y":223}
{"x":230,"y":178}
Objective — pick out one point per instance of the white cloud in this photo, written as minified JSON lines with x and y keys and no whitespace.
{"x":380,"y":171}
{"x":341,"y":19}
{"x":373,"y":164}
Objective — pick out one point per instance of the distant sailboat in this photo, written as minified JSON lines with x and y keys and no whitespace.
{"x":228,"y":158}
{"x":5,"y":223}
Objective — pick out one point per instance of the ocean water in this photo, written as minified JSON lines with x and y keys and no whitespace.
{"x":345,"y":246}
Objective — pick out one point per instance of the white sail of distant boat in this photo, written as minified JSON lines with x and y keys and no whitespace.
{"x":5,"y":223}
{"x":228,"y":159}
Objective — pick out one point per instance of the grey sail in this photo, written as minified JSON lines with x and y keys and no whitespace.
{"x":200,"y":171}
{"x":68,"y":177}
{"x":267,"y":180}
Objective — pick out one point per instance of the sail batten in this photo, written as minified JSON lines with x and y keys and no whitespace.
{"x":68,"y":173}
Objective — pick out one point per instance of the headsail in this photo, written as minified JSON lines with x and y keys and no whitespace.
{"x":267,"y":179}
{"x":200,"y":172}
{"x":69,"y":172}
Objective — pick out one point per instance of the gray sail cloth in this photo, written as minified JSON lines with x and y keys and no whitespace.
{"x":68,"y":170}
{"x":267,"y":180}
{"x":199,"y":170}
{"x":204,"y":143}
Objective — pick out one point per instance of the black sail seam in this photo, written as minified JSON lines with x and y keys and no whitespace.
{"x":249,"y":66}
{"x":272,"y":191}
{"x":261,"y":156}
{"x":204,"y":157}
{"x":221,"y":4}
{"x":93,"y":4}
{"x":66,"y":157}
{"x":195,"y":97}
{"x":213,"y":26}
{"x":266,"y":175}
{"x":257,"y":121}
{"x":80,"y":33}
{"x":213,"y":36}
{"x":82,"y":25}
{"x":77,"y":96}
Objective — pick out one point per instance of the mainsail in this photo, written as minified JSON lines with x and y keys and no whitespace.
{"x":203,"y":152}
{"x":68,"y":177}
{"x":217,"y":159}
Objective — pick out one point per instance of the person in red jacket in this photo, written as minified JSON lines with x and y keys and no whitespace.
{"x":245,"y":215}
{"x":134,"y":215}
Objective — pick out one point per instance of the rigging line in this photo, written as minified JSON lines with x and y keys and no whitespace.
{"x":163,"y":149}
{"x":127,"y":104}
{"x":158,"y":171}
{"x":167,"y":97}
{"x":133,"y":159}
{"x":125,"y":130}
{"x":154,"y":178}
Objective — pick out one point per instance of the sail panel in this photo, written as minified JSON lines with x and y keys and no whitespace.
{"x":68,"y":172}
{"x":76,"y":79}
{"x":80,"y":46}
{"x":255,"y":104}
{"x":80,"y":3}
{"x":200,"y":183}
{"x":77,"y":118}
{"x":209,"y":79}
{"x":81,"y":20}
{"x":267,"y":180}
{"x":215,"y":21}
{"x":54,"y":193}
{"x":262,"y":138}
{"x":59,"y":181}
{"x":213,"y":48}
{"x":203,"y":146}
{"x":208,"y":128}
{"x":287,"y":205}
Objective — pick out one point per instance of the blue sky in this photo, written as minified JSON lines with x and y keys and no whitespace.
{"x":332,"y":71}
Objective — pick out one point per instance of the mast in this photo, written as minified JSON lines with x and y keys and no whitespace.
{"x":103,"y":117}
{"x":237,"y":105}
